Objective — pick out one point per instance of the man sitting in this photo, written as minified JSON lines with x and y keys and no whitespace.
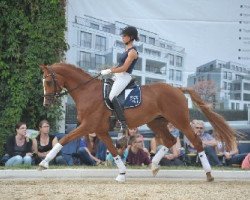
{"x":208,"y":141}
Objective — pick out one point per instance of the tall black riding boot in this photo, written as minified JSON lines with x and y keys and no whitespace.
{"x":119,"y":113}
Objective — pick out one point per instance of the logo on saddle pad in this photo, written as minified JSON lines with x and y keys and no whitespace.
{"x":130,"y":97}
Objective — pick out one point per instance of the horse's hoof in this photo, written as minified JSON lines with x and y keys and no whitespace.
{"x":155,"y":169}
{"x":210,"y":178}
{"x":41,"y":168}
{"x":43,"y":165}
{"x":121,"y":178}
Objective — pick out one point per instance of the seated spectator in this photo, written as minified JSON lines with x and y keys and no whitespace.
{"x":92,"y":151}
{"x":231,"y":157}
{"x":19,"y":148}
{"x":122,"y":149}
{"x":208,"y":141}
{"x":135,"y":131}
{"x":44,"y":143}
{"x":172,"y":157}
{"x":136,"y":155}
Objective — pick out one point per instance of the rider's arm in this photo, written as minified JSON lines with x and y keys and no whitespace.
{"x":132,"y":55}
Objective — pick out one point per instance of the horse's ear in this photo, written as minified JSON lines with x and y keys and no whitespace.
{"x":43,"y":66}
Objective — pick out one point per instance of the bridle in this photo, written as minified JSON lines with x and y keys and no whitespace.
{"x":57,"y":93}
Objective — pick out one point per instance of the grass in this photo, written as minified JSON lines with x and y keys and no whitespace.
{"x":21,"y":167}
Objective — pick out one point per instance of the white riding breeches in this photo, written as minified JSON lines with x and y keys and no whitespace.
{"x":121,"y":81}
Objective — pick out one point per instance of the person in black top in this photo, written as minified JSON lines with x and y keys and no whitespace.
{"x":19,"y":147}
{"x":45,"y":142}
{"x":122,"y":72}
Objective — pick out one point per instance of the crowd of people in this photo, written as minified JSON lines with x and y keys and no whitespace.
{"x":21,"y":150}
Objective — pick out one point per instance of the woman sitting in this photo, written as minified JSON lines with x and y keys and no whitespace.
{"x":45,"y":142}
{"x":19,"y":148}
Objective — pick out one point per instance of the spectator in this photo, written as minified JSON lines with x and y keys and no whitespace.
{"x":92,"y":151}
{"x":135,"y":131}
{"x":19,"y":148}
{"x":122,"y":149}
{"x":231,"y":157}
{"x":208,"y":141}
{"x":172,"y":156}
{"x":136,"y":155}
{"x":246,"y":162}
{"x":45,"y":142}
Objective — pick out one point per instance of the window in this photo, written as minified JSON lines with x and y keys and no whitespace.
{"x":171,"y":74}
{"x":85,"y":39}
{"x":162,"y":45}
{"x":178,"y":61}
{"x":151,"y":40}
{"x":229,"y":86}
{"x":171,"y":59}
{"x":224,"y":85}
{"x":233,"y":106}
{"x":142,"y":38}
{"x":119,"y":44}
{"x":237,"y":86}
{"x":225,"y":75}
{"x":246,"y":97}
{"x":245,"y":106}
{"x":238,"y":77}
{"x":99,"y":61}
{"x":106,"y":29}
{"x":85,"y":60}
{"x":153,"y":52}
{"x":178,"y":75}
{"x":94,"y":26}
{"x":246,"y":86}
{"x":229,"y":75}
{"x":237,"y":106}
{"x":100,"y":43}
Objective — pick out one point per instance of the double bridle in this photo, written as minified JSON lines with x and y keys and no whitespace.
{"x":54,"y":95}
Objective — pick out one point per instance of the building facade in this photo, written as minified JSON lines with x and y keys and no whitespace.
{"x":95,"y":44}
{"x":231,"y":80}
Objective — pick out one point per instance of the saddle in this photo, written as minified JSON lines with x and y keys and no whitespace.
{"x":130,"y":97}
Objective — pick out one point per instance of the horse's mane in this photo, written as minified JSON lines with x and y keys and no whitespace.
{"x":71,"y":67}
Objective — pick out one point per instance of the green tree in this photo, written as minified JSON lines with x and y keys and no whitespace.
{"x":31,"y":33}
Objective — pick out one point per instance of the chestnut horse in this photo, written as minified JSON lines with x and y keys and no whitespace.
{"x":161,"y":103}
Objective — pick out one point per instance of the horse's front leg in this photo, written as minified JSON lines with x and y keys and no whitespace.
{"x":76,"y":133}
{"x":118,"y":161}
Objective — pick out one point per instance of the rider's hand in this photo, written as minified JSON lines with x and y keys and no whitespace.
{"x":105,"y":71}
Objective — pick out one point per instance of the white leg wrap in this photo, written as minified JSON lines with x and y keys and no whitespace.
{"x":159,"y":155}
{"x":54,"y":151}
{"x":120,"y":164}
{"x":204,"y":161}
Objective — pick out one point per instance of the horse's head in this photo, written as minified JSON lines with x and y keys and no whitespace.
{"x":52,"y":85}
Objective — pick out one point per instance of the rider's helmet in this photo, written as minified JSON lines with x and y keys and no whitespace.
{"x":130,"y":31}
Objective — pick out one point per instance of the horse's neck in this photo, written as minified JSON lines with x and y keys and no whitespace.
{"x":81,"y":86}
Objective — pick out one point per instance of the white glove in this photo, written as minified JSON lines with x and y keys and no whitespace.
{"x":105,"y":71}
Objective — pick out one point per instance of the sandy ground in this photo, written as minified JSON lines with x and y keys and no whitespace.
{"x":108,"y":189}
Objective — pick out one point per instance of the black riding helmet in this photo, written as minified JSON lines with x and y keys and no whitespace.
{"x":130,"y":31}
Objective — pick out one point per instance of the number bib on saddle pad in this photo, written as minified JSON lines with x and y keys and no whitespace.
{"x":129,"y":98}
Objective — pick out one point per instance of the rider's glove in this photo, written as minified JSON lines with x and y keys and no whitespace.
{"x":105,"y":71}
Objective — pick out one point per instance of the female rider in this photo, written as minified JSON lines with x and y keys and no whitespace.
{"x":123,"y":71}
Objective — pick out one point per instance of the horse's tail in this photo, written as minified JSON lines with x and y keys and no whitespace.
{"x":222,"y":130}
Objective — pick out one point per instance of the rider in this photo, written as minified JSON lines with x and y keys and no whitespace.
{"x":123,"y":71}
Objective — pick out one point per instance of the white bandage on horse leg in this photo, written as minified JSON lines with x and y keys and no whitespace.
{"x":204,"y":161}
{"x":159,"y":155}
{"x":54,"y":151}
{"x":120,"y":164}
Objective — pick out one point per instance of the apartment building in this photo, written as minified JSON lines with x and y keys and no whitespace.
{"x":232,"y":81}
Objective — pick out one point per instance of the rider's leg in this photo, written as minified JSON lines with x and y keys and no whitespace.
{"x":122,"y":80}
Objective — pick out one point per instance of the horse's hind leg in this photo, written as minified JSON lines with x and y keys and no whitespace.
{"x":159,"y":127}
{"x":122,"y":168}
